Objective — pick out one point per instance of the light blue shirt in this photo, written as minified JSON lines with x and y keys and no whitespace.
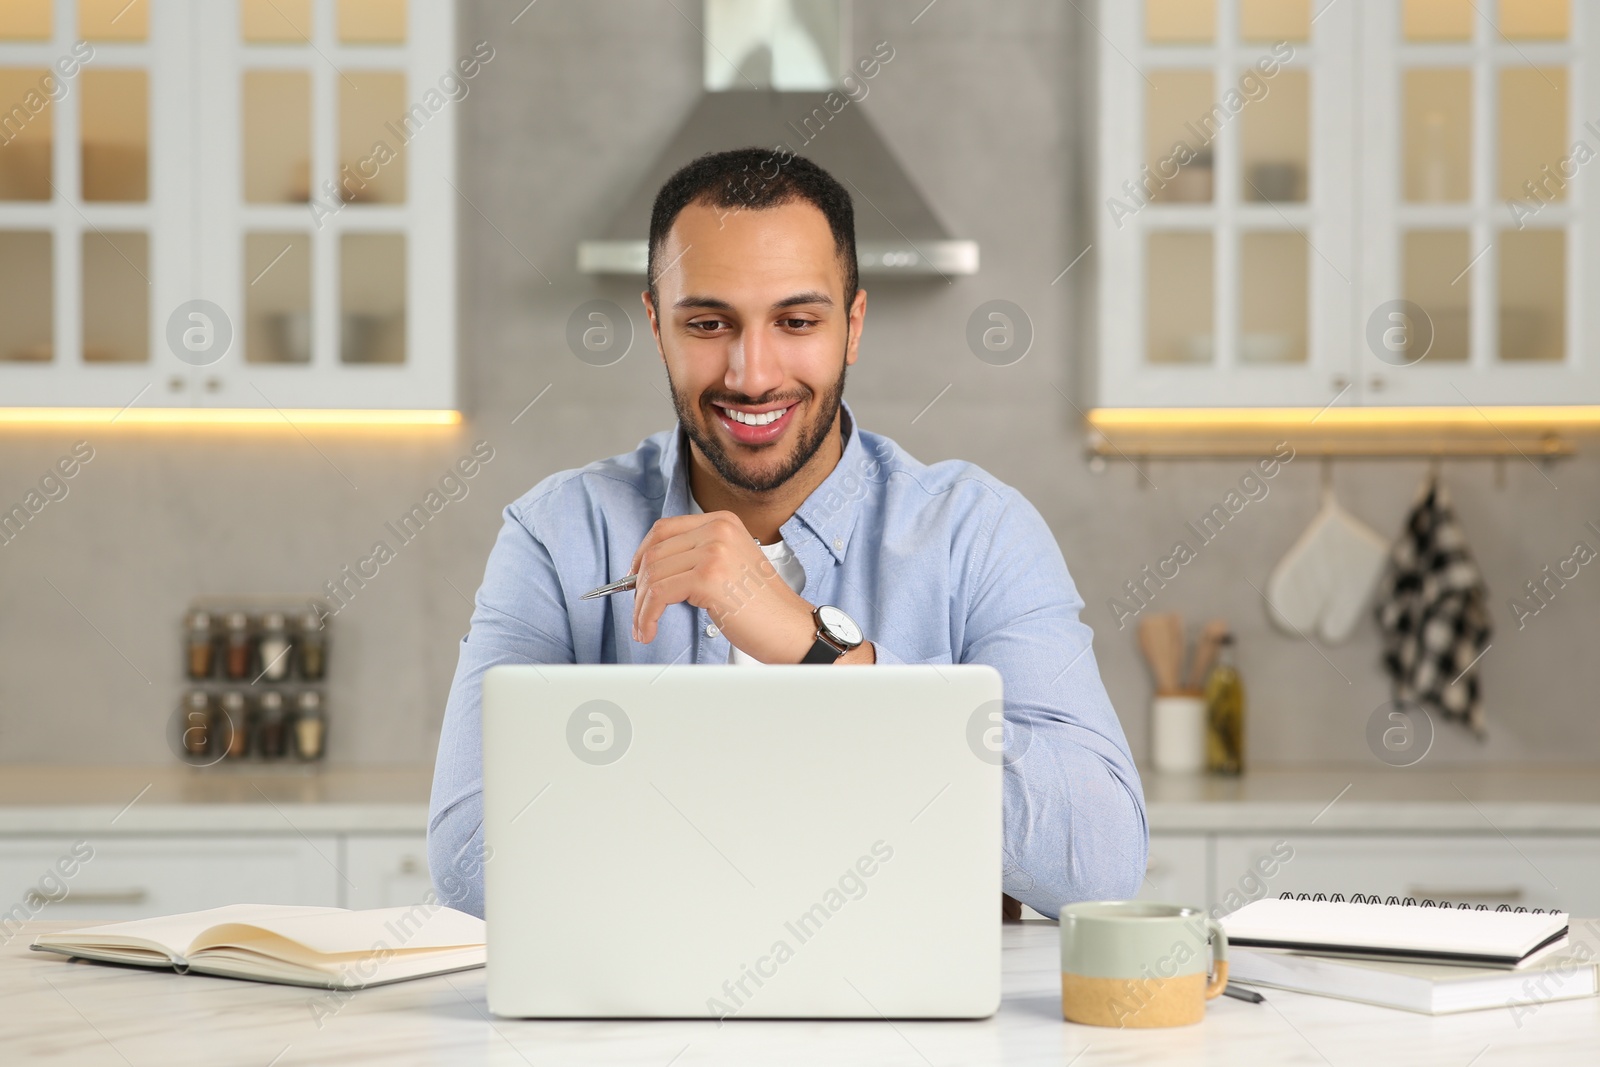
{"x":938,"y":564}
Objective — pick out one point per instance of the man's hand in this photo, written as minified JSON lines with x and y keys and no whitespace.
{"x":711,"y":561}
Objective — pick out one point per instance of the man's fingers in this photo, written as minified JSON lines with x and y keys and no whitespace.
{"x":659,"y":594}
{"x":663,"y":529}
{"x":661,"y":569}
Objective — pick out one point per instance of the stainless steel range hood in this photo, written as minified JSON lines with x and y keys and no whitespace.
{"x":770,"y":67}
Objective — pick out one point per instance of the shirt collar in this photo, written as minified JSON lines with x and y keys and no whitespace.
{"x":829,"y":513}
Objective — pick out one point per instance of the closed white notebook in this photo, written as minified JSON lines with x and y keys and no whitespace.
{"x":1430,"y":988}
{"x":1396,"y":931}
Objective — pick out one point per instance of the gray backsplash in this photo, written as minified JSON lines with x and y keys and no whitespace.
{"x":981,"y":103}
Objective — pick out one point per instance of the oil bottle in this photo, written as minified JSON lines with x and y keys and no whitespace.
{"x":1224,"y":713}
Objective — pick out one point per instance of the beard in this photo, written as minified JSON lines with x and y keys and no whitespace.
{"x":762,"y":479}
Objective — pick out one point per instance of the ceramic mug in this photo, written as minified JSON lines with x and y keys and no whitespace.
{"x":1134,"y":963}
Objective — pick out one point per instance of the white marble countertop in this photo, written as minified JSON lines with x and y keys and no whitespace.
{"x":244,"y":799}
{"x":1337,"y":799}
{"x":39,"y":800}
{"x":63,"y":1012}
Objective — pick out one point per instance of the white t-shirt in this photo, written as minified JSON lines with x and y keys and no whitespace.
{"x":783,"y":558}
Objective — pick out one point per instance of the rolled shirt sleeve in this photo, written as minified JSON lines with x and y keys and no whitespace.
{"x":519,"y":617}
{"x":1075,"y":826}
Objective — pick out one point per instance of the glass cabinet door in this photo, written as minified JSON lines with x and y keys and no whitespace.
{"x":1474,"y":251}
{"x":78,"y":208}
{"x":1224,"y":156}
{"x":228,"y":203}
{"x":337,"y":192}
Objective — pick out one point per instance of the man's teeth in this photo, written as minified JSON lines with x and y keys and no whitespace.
{"x":755,"y":420}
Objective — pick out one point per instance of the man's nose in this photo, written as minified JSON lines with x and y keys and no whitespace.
{"x":753,"y":366}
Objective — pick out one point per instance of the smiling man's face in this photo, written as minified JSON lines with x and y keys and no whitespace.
{"x":756,"y":333}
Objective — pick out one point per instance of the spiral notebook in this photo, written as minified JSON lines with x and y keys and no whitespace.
{"x":1426,"y":932}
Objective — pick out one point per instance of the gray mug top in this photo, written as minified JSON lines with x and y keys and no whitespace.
{"x":1137,"y":939}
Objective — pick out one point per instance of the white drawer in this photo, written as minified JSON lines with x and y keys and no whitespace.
{"x":1176,"y":871}
{"x":1530,"y":870}
{"x":386,"y":871}
{"x":117,"y":878}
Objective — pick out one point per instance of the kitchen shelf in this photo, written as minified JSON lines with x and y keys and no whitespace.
{"x":1532,"y":432}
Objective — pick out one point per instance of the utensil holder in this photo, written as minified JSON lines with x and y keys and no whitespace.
{"x":1178,"y":733}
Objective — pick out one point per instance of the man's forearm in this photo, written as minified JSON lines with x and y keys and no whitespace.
{"x":863,"y":653}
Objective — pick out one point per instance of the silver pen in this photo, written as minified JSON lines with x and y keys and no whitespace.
{"x":615,"y":587}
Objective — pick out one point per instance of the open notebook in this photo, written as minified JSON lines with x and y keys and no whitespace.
{"x":330,"y":948}
{"x":1408,"y":932}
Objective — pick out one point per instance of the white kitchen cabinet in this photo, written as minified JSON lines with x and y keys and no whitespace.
{"x":1523,"y":870}
{"x":276,"y":173}
{"x":132,"y":877}
{"x":1177,"y":870}
{"x":386,"y":871}
{"x":1274,"y":178}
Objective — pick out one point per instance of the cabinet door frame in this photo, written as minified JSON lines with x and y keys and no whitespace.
{"x":1483,"y":380}
{"x":67,"y":380}
{"x":195,"y":218}
{"x":1323,"y":221}
{"x":426,"y":220}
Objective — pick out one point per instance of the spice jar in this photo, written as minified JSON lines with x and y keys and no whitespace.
{"x":236,"y":658}
{"x":313,"y":647}
{"x":272,"y":733}
{"x":201,"y":644}
{"x":194,"y":740}
{"x":233,"y":731}
{"x":310,"y":726}
{"x":274,"y":646}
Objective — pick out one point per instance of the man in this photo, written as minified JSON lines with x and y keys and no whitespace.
{"x":766,"y":503}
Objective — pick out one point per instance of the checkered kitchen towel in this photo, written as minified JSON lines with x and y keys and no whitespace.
{"x":1432,"y":608}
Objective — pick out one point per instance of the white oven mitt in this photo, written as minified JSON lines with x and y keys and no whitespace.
{"x":1323,"y":582}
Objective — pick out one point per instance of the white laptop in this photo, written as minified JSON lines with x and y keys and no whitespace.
{"x":735,"y":841}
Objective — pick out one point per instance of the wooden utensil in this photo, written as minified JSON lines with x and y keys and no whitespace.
{"x":1161,"y":640}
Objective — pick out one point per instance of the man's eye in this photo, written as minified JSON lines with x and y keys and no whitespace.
{"x":797,"y":324}
{"x":707,"y":325}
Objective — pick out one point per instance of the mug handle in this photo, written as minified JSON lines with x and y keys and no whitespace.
{"x":1218,"y":979}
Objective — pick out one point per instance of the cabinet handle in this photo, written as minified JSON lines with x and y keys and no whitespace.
{"x":175,"y":384}
{"x":1508,"y":895}
{"x":213,"y":384}
{"x":1375,"y":384}
{"x":38,"y":900}
{"x":1340,"y":381}
{"x":409,"y":865}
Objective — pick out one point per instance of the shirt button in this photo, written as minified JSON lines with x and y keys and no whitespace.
{"x":711,"y":631}
{"x":838,"y":544}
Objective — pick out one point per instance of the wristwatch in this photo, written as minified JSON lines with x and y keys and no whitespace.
{"x":837,"y":633}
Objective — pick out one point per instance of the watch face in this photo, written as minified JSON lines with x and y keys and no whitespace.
{"x":840,"y":626}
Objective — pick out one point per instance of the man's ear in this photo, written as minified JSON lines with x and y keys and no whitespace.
{"x":655,"y":327}
{"x":857,"y":321}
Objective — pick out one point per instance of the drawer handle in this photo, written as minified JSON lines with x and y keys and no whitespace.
{"x":1509,"y":895}
{"x":38,"y":900}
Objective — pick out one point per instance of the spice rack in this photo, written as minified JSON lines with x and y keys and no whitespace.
{"x":254,"y":670}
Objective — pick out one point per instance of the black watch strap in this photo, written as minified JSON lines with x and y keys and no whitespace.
{"x":822,"y":652}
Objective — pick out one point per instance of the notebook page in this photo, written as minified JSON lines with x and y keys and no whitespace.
{"x":1392,"y":926}
{"x":336,"y":932}
{"x":172,"y":934}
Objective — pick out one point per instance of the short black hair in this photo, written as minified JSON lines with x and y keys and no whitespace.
{"x":756,"y":178}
